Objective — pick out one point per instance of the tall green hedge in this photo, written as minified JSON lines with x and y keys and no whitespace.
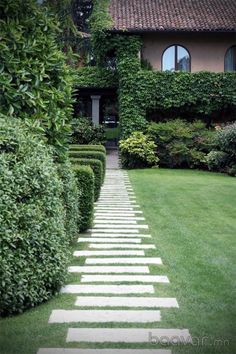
{"x":97,"y":168}
{"x":85,"y":181}
{"x":75,"y":147}
{"x":34,"y":245}
{"x":70,"y":197}
{"x":35,"y":82}
{"x":90,"y":155}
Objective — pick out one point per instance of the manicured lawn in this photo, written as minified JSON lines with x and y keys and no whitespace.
{"x":192,"y":217}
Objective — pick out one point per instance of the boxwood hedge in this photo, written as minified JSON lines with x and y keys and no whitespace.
{"x":70,"y":197}
{"x":33,"y":240}
{"x":85,"y":181}
{"x":100,"y":148}
{"x":97,"y":168}
{"x":90,"y":155}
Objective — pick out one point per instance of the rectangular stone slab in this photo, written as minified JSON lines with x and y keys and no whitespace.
{"x":108,"y":253}
{"x":116,"y":231}
{"x":127,"y":335}
{"x":125,"y":226}
{"x":104,"y":240}
{"x":114,"y":221}
{"x":124,"y":278}
{"x":112,"y":301}
{"x":107,"y":289}
{"x":111,"y":235}
{"x":146,"y":260}
{"x":119,"y":245}
{"x":109,"y":269}
{"x":101,"y":351}
{"x":115,"y":217}
{"x":102,"y":316}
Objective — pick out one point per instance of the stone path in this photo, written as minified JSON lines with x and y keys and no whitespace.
{"x":116,"y":279}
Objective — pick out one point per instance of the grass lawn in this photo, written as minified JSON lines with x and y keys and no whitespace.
{"x":192,"y":217}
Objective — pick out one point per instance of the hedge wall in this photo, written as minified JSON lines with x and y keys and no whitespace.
{"x":34,"y":245}
{"x":76,"y":147}
{"x":85,"y":181}
{"x":90,"y":155}
{"x":97,"y":168}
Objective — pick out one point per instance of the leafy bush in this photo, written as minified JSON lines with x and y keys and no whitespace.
{"x":90,"y":155}
{"x":97,"y":168}
{"x":217,"y":160}
{"x":85,"y":181}
{"x":100,"y":148}
{"x":70,"y":196}
{"x":33,"y":241}
{"x":226,"y":139}
{"x":224,"y":158}
{"x":182,"y":144}
{"x":85,"y":132}
{"x":36,"y":84}
{"x":138,"y":151}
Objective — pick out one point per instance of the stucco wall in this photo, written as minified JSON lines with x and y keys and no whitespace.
{"x":207,"y":50}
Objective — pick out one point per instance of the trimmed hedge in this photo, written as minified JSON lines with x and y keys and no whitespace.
{"x":70,"y":196}
{"x":76,"y":147}
{"x":34,"y":246}
{"x":90,"y":155}
{"x":96,"y":166}
{"x":85,"y":181}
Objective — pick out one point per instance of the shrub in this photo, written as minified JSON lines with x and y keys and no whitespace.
{"x":224,"y":158}
{"x":90,"y":155}
{"x":96,"y":166}
{"x":217,"y":161}
{"x":85,"y":181}
{"x":138,"y":151}
{"x":182,"y":144}
{"x":36,"y":84}
{"x":85,"y":132}
{"x":100,"y":148}
{"x":226,"y":139}
{"x":33,"y":241}
{"x":70,"y":196}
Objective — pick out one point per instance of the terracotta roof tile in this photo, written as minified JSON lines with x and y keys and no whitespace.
{"x":174,"y":15}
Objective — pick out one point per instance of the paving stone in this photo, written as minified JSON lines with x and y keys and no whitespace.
{"x":107,"y":289}
{"x":101,"y":351}
{"x":102,"y":316}
{"x":118,"y":212}
{"x":128,"y":335}
{"x":109,"y":269}
{"x":111,"y":235}
{"x":120,"y":208}
{"x":114,"y":231}
{"x":146,"y":260}
{"x":108,"y":253}
{"x":117,"y":217}
{"x":119,"y":245}
{"x":105,"y":240}
{"x":112,"y":301}
{"x":114,"y":217}
{"x":124,"y":278}
{"x":125,"y":226}
{"x":113,"y":221}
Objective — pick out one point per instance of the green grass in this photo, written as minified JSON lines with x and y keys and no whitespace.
{"x":192,"y":219}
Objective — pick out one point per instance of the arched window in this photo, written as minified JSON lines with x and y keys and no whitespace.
{"x":176,"y":58}
{"x":230,"y":59}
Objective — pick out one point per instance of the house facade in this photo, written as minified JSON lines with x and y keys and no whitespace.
{"x":176,"y":35}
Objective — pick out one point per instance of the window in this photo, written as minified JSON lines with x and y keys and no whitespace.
{"x":230,"y":59}
{"x":176,"y":58}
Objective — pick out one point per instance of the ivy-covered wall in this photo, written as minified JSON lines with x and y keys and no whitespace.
{"x":139,"y":89}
